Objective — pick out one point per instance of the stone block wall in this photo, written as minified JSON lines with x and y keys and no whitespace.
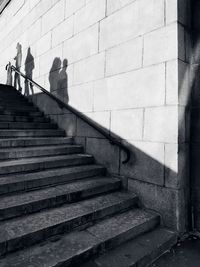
{"x":124,"y":62}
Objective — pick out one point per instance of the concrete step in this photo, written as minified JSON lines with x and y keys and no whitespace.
{"x":19,"y":108}
{"x":138,"y":252}
{"x":15,"y":101}
{"x":28,"y":152}
{"x":10,"y":118}
{"x":42,"y":163}
{"x":34,"y":201}
{"x":27,"y":125}
{"x":25,"y":231}
{"x":21,"y":113}
{"x":25,"y":142}
{"x":18,"y":104}
{"x":31,"y":133}
{"x":74,"y":248}
{"x":49,"y":177}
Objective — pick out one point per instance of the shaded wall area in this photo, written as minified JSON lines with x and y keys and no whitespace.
{"x":195,"y":115}
{"x":123,"y":64}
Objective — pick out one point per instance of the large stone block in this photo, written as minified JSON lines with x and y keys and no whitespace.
{"x":89,"y":69}
{"x":32,"y":4}
{"x":127,"y":124}
{"x":171,"y":11}
{"x":156,"y":127}
{"x":125,"y":57}
{"x":101,"y":147}
{"x":168,"y":202}
{"x":146,"y":162}
{"x":35,"y":30}
{"x":135,"y":89}
{"x":131,"y":21}
{"x":81,"y":97}
{"x":119,"y":27}
{"x":171,"y":166}
{"x":184,"y":12}
{"x":93,"y":12}
{"x":113,"y":5}
{"x":182,"y":131}
{"x":102,"y":119}
{"x":82,"y":45}
{"x":41,"y":9}
{"x":48,"y":105}
{"x":44,"y":44}
{"x":101,"y":96}
{"x":53,"y":17}
{"x":63,"y":31}
{"x":46,"y":60}
{"x":172,"y":82}
{"x":72,"y":6}
{"x":181,"y":43}
{"x":161,"y":45}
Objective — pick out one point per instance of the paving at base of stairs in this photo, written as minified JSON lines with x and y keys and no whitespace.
{"x":58,"y":207}
{"x":184,"y":254}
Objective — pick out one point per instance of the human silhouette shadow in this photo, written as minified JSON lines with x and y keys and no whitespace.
{"x":58,"y":79}
{"x":18,"y":63}
{"x":29,"y":66}
{"x":54,"y":74}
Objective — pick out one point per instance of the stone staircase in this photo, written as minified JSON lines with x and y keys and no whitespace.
{"x":57,"y":206}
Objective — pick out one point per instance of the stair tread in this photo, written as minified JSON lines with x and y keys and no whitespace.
{"x":143,"y":249}
{"x":34,"y":141}
{"x":31,"y":130}
{"x":14,"y":178}
{"x":33,"y":223}
{"x":38,"y":148}
{"x":37,"y":138}
{"x":24,"y":161}
{"x":40,"y":194}
{"x":73,"y":245}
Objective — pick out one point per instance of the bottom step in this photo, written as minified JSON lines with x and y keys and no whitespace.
{"x":139,"y":252}
{"x":75,"y":248}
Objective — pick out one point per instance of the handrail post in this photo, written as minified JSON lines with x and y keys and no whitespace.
{"x":9,"y":74}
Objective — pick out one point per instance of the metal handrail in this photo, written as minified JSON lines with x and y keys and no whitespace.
{"x":61,"y":104}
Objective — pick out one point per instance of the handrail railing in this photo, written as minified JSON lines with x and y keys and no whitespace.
{"x":62,"y":104}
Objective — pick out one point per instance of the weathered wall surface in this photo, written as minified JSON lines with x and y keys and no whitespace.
{"x":123,"y":69}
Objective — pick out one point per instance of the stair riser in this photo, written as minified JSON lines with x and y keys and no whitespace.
{"x":34,"y":133}
{"x":7,"y":118}
{"x":112,"y":243}
{"x":57,"y":201}
{"x":48,"y":181}
{"x":40,"y":153}
{"x":46,"y":165}
{"x":36,"y":142}
{"x":20,"y":113}
{"x":23,"y":125}
{"x":12,"y":103}
{"x":31,"y":239}
{"x":19,"y":109}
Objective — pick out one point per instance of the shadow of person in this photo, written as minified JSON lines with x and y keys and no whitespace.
{"x":63,"y":82}
{"x":54,"y":74}
{"x":18,"y":63}
{"x":29,"y":66}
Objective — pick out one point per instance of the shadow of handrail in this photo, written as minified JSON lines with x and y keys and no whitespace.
{"x":62,"y":104}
